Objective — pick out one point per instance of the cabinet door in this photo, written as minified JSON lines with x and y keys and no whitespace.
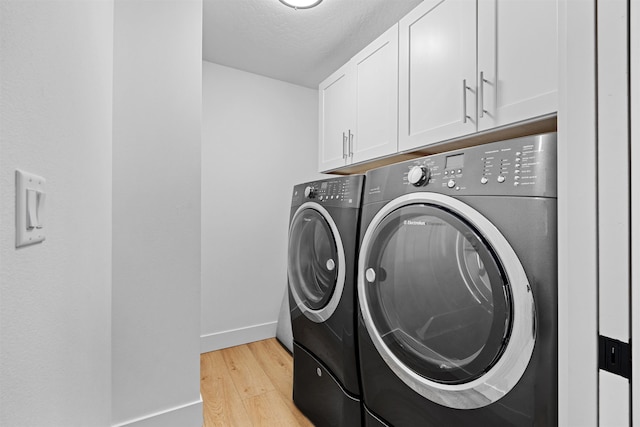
{"x":376,"y":77}
{"x":437,"y":72}
{"x":518,"y":60}
{"x":336,"y":105}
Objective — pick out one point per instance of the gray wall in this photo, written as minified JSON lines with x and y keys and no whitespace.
{"x":259,"y":138}
{"x":55,"y":297}
{"x":156,"y":212}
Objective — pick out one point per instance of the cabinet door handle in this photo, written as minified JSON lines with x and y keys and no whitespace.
{"x":344,"y":145}
{"x":465,"y":117}
{"x":350,"y":143}
{"x":482,"y":82}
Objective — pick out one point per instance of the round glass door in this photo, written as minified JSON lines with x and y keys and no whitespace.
{"x":316,"y":259}
{"x":436,"y":294}
{"x":445,"y":300}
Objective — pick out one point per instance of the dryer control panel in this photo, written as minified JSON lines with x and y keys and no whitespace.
{"x":519,"y":167}
{"x":344,"y":191}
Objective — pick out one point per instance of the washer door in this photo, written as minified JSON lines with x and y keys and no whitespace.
{"x":316,"y":262}
{"x":445,"y":300}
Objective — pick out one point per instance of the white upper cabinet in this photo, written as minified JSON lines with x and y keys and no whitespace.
{"x":337,"y":107}
{"x":455,"y":80}
{"x":376,"y":79}
{"x":517,"y":60}
{"x":437,"y":72}
{"x":448,"y":69}
{"x":359,"y":106}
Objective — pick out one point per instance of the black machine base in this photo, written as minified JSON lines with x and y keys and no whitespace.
{"x":319,"y":396}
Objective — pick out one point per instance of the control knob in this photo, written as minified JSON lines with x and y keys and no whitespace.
{"x":310,"y":192}
{"x":418,"y":175}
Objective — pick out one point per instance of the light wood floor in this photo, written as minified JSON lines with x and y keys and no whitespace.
{"x":249,"y":385}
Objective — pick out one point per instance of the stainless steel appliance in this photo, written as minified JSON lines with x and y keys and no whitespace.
{"x":457,"y":288}
{"x":322,"y":272}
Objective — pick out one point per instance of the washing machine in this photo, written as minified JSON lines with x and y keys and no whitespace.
{"x":323,"y":239}
{"x":457,"y":288}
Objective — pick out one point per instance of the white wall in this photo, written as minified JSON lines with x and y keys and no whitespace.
{"x":614,"y":204}
{"x":259,"y":138}
{"x":156,"y":213}
{"x":634,"y":48}
{"x":55,"y":297}
{"x":577,"y":216}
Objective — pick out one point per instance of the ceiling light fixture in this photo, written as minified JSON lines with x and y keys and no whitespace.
{"x":301,"y":4}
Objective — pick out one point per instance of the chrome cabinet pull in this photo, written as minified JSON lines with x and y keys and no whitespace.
{"x":344,"y":145}
{"x":350,"y":143}
{"x":482,"y":82}
{"x":464,"y":101}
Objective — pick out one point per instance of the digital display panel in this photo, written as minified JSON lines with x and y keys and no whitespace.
{"x":454,"y":162}
{"x":323,"y":186}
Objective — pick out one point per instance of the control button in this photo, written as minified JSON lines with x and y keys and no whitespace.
{"x":457,"y":188}
{"x":517,"y":165}
{"x":518,"y":153}
{"x":484,"y":180}
{"x":446,"y":172}
{"x":517,"y":170}
{"x":517,"y":159}
{"x":418,"y":175}
{"x":517,"y":178}
{"x":331,"y":264}
{"x":501,"y":178}
{"x":320,"y":198}
{"x":370,"y":275}
{"x":459,"y":170}
{"x":451,"y":183}
{"x":310,"y":192}
{"x":515,"y":184}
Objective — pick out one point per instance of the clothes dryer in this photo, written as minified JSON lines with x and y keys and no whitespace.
{"x":457,"y":288}
{"x":323,"y":239}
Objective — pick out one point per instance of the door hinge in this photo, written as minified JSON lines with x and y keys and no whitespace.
{"x":614,"y":356}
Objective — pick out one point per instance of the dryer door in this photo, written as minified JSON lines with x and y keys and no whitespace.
{"x":445,"y":300}
{"x":316,"y":262}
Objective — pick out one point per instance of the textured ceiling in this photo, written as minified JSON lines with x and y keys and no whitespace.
{"x":297,"y":46}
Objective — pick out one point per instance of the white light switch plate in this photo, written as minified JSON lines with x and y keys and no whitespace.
{"x":25,"y":235}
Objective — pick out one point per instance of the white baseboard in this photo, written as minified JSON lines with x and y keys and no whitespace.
{"x":189,"y":415}
{"x":225,"y":339}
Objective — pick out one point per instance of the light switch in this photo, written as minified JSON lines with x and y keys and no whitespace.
{"x":42,"y":198}
{"x":30,"y":208}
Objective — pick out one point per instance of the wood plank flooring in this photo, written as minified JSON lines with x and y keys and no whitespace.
{"x":249,"y":386}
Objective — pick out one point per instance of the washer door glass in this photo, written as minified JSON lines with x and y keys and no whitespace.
{"x":436,"y":294}
{"x":313,"y":259}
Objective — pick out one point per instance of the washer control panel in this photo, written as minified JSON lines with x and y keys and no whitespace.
{"x":344,"y":191}
{"x":521,"y":167}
